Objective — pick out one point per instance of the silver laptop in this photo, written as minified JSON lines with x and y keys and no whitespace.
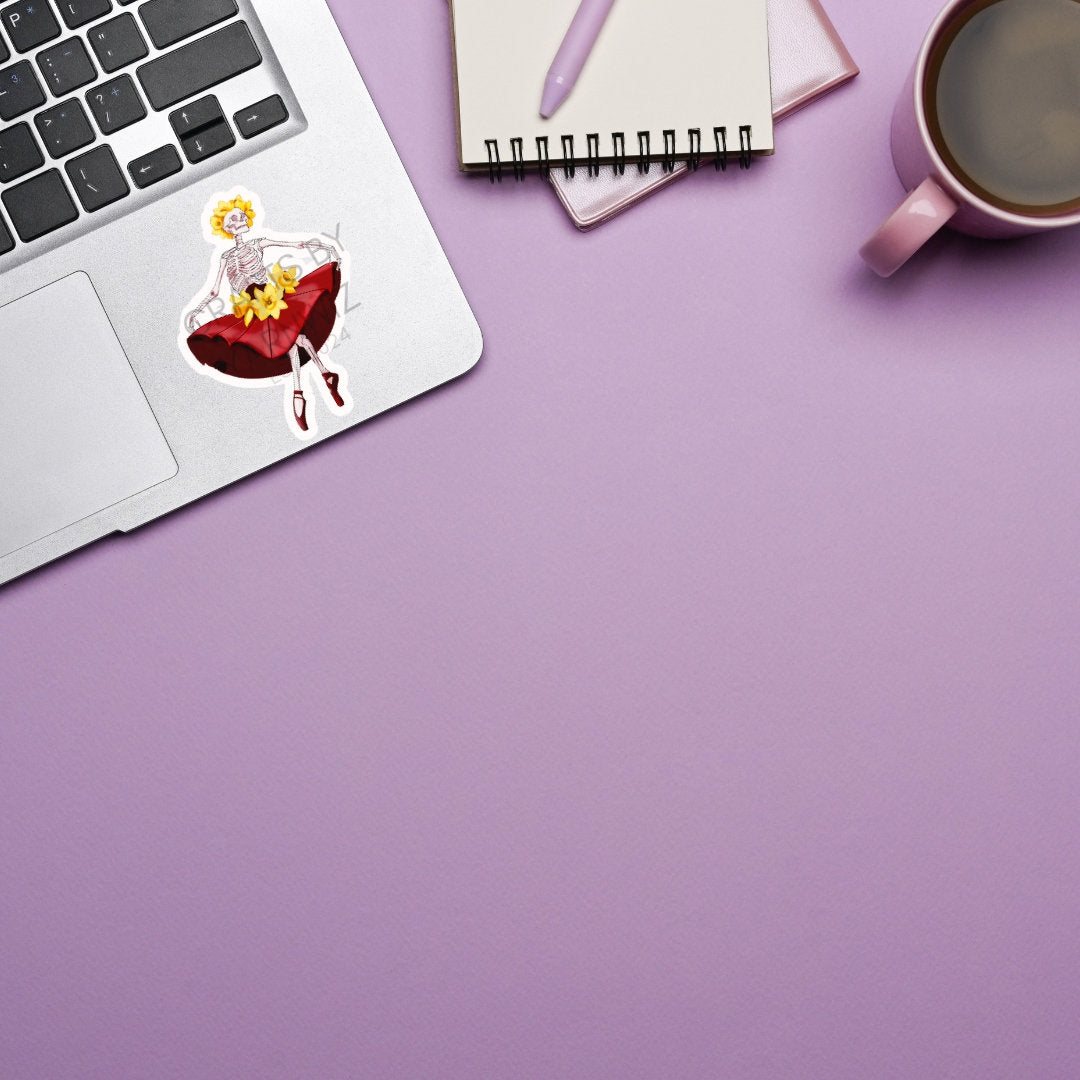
{"x":210,"y":258}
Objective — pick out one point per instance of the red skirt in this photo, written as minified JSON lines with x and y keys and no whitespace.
{"x":260,"y":350}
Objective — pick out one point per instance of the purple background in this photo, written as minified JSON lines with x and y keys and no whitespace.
{"x":689,"y":692}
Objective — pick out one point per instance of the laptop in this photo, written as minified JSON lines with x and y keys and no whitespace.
{"x":210,"y":258}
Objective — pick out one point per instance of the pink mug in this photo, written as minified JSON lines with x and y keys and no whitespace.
{"x":936,"y":195}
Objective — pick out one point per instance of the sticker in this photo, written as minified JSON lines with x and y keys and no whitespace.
{"x":268,"y":313}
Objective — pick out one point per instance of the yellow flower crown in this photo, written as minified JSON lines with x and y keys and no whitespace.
{"x":223,"y":209}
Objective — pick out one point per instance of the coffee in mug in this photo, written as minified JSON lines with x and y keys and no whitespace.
{"x":986,"y":131}
{"x":1003,"y":103}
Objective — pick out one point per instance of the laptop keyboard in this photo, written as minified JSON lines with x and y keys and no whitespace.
{"x":84,"y":87}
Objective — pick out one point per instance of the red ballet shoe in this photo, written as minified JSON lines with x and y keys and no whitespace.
{"x":299,"y":408}
{"x":332,"y":379}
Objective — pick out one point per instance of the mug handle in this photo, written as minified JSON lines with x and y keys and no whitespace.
{"x":909,"y":226}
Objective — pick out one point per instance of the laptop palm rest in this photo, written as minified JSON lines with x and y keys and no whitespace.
{"x":76,"y":433}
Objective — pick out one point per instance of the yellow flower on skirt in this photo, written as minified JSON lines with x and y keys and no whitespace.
{"x":266,"y":303}
{"x":284,"y":279}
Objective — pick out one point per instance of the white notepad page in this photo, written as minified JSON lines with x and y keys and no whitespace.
{"x":658,"y":65}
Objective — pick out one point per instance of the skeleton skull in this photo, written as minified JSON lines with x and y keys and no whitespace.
{"x":236,"y":222}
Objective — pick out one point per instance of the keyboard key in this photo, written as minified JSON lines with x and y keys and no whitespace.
{"x":116,"y":104}
{"x":260,"y":117}
{"x":19,"y":90}
{"x":64,"y":128}
{"x":30,"y":23}
{"x":168,"y":22}
{"x":66,"y":66}
{"x":7,"y":241}
{"x":5,"y":52}
{"x":202,"y":129}
{"x":78,"y":13}
{"x":118,"y":43}
{"x":19,"y":152}
{"x":97,"y":178}
{"x":155,"y":166}
{"x":199,"y":65}
{"x":195,"y":115}
{"x":39,"y":205}
{"x":208,"y":141}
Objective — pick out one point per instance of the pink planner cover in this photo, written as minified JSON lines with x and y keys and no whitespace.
{"x":807,"y":59}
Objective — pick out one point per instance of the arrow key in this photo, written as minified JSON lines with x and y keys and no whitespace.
{"x":261,"y":116}
{"x":208,"y":141}
{"x":155,"y":166}
{"x":196,"y":115}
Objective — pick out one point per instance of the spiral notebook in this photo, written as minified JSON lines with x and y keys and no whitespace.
{"x":807,"y":59}
{"x":665,"y":82}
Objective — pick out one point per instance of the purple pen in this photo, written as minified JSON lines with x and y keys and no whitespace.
{"x":573,"y":52}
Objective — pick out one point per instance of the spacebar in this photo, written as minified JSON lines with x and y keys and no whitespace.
{"x":200,"y":64}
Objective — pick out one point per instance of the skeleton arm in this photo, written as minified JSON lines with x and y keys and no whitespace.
{"x":192,"y":319}
{"x":303,"y":245}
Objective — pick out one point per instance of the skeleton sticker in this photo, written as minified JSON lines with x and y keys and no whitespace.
{"x":279,"y":317}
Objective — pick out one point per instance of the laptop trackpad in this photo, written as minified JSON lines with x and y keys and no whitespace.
{"x":76,"y":432}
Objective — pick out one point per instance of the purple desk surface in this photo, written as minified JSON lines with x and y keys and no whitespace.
{"x":688,"y":693}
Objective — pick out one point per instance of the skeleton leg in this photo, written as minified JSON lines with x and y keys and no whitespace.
{"x":294,"y":359}
{"x":331,"y":378}
{"x":298,"y":403}
{"x":305,"y":343}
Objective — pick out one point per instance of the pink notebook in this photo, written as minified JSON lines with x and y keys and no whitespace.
{"x":807,"y":59}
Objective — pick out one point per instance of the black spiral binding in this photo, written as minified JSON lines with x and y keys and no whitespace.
{"x":745,"y":149}
{"x":518,"y":154}
{"x":720,"y":152}
{"x":618,"y":145}
{"x":594,"y":154}
{"x":644,"y":149}
{"x":720,"y":134}
{"x":669,"y":151}
{"x":694,"y":160}
{"x":494,"y":164}
{"x":568,"y":156}
{"x":542,"y":155}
